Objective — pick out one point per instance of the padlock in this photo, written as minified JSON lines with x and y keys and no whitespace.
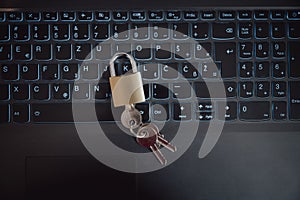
{"x":126,"y":89}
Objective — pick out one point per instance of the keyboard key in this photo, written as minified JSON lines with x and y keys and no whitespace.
{"x":144,"y":110}
{"x":81,"y":91}
{"x":261,"y":14}
{"x":254,"y":110}
{"x":217,"y":90}
{"x":61,"y":91}
{"x":29,"y":71}
{"x":122,"y":47}
{"x":138,"y":15}
{"x":160,"y":91}
{"x":169,"y":70}
{"x":142,"y":51}
{"x":160,"y":111}
{"x":155,"y":15}
{"x":4,"y":32}
{"x":89,"y":71}
{"x":262,"y":49}
{"x":227,"y":14}
{"x":83,"y":51}
{"x":227,"y":110}
{"x":49,"y":16}
{"x":42,"y":51}
{"x":4,"y":92}
{"x":245,"y":30}
{"x":210,"y":70}
{"x":262,"y":30}
{"x":85,"y":16}
{"x":246,"y":89}
{"x":182,"y":111}
{"x":189,"y":70}
{"x":22,"y":52}
{"x":277,"y":14}
{"x":226,"y":53}
{"x":5,"y":52}
{"x":100,"y":31}
{"x":294,"y":97}
{"x":294,"y":59}
{"x":181,"y":90}
{"x":14,"y":16}
{"x":120,"y":15}
{"x":67,"y":16}
{"x":230,"y":89}
{"x":63,"y":51}
{"x":294,"y":29}
{"x":64,"y":112}
{"x":20,"y":32}
{"x":9,"y":72}
{"x":205,"y":106}
{"x":69,"y":71}
{"x":262,"y":89}
{"x":120,"y":31}
{"x":190,"y":15}
{"x":40,"y":31}
{"x":203,"y":50}
{"x":246,"y":49}
{"x":278,"y":30}
{"x":162,"y":51}
{"x":294,"y":14}
{"x":173,"y":15}
{"x":149,"y":70}
{"x":180,"y":30}
{"x":279,"y":69}
{"x":279,"y":89}
{"x":2,"y":16}
{"x":81,"y":31}
{"x":279,"y":49}
{"x":182,"y":50}
{"x":102,"y":16}
{"x":102,"y":91}
{"x":140,"y":31}
{"x":208,"y":14}
{"x":146,"y":91}
{"x":4,"y":114}
{"x":160,"y":31}
{"x":102,"y":51}
{"x":279,"y":110}
{"x":245,"y":14}
{"x":20,"y":113}
{"x":40,"y":91}
{"x":49,"y":71}
{"x":20,"y":91}
{"x":200,"y":30}
{"x":246,"y":69}
{"x":223,"y":30}
{"x":60,"y":31}
{"x":205,"y":116}
{"x":262,"y":69}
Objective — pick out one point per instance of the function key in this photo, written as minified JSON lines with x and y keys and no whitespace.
{"x":245,"y":14}
{"x":102,"y":16}
{"x":85,"y":16}
{"x":50,"y":16}
{"x":67,"y":16}
{"x":261,"y":14}
{"x":155,"y":15}
{"x":277,"y":14}
{"x":173,"y":15}
{"x":227,"y":14}
{"x":2,"y":16}
{"x":121,"y":15}
{"x":190,"y":15}
{"x":14,"y":16}
{"x":32,"y":16}
{"x":139,"y":15}
{"x":294,"y":14}
{"x":208,"y":14}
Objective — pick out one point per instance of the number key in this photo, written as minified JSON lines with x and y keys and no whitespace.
{"x":279,"y":89}
{"x":262,"y":89}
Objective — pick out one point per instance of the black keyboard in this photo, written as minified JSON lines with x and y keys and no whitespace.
{"x":46,"y":64}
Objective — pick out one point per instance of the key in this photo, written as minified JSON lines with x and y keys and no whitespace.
{"x":60,"y":31}
{"x":223,"y":30}
{"x":85,"y":16}
{"x":149,"y":70}
{"x":80,"y":31}
{"x":180,"y":30}
{"x":245,"y":14}
{"x":182,"y":50}
{"x":294,"y":29}
{"x":262,"y":89}
{"x":22,"y":52}
{"x":49,"y":71}
{"x":227,"y":15}
{"x":29,"y":71}
{"x":294,"y":59}
{"x":120,"y":15}
{"x":20,"y":32}
{"x":20,"y":91}
{"x":42,"y":51}
{"x":137,"y":15}
{"x":200,"y":30}
{"x":201,"y":89}
{"x":32,"y":16}
{"x":83,"y":51}
{"x":262,"y":30}
{"x":279,"y":110}
{"x":89,"y":71}
{"x":227,"y":110}
{"x":169,"y":70}
{"x":173,"y":15}
{"x":162,"y":51}
{"x":20,"y":113}
{"x":5,"y":52}
{"x":246,"y":49}
{"x":245,"y":30}
{"x":262,"y":69}
{"x":205,"y":106}
{"x":14,"y":16}
{"x":246,"y":69}
{"x":254,"y":110}
{"x":146,"y":91}
{"x":278,"y":49}
{"x":102,"y":51}
{"x":262,"y":49}
{"x":100,"y":31}
{"x":63,"y":51}
{"x":279,"y":69}
{"x":294,"y":14}
{"x":160,"y":91}
{"x":143,"y":51}
{"x":181,"y":90}
{"x":4,"y":32}
{"x":2,"y":16}
{"x":226,"y":53}
{"x":182,"y":111}
{"x":49,"y":16}
{"x":102,"y":16}
{"x":69,"y":71}
{"x":246,"y":89}
{"x":189,"y":70}
{"x":208,"y":14}
{"x":278,"y":30}
{"x":279,"y":89}
{"x":143,"y":108}
{"x":140,"y":31}
{"x":61,"y":91}
{"x":160,"y":111}
{"x":9,"y":72}
{"x":294,"y":94}
{"x":102,"y":91}
{"x":190,"y":15}
{"x":160,"y":31}
{"x":155,"y":15}
{"x":67,"y":16}
{"x":131,"y":118}
{"x":120,"y":31}
{"x":261,"y":14}
{"x":210,"y":70}
{"x":81,"y":91}
{"x":40,"y":31}
{"x":205,"y":116}
{"x":4,"y":114}
{"x":40,"y":91}
{"x":203,"y":50}
{"x":4,"y":92}
{"x":277,"y":14}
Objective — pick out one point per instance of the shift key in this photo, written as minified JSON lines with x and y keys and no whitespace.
{"x":294,"y":108}
{"x":254,"y":110}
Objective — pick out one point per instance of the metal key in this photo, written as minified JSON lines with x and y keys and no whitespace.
{"x":131,"y":118}
{"x":148,"y":136}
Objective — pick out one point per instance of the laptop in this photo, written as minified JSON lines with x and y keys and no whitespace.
{"x":221,"y":82}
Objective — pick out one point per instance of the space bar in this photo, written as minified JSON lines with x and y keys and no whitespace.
{"x":63,"y":112}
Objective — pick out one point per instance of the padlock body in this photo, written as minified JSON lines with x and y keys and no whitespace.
{"x":127,"y":89}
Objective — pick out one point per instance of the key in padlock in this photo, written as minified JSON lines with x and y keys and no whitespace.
{"x":126,"y":89}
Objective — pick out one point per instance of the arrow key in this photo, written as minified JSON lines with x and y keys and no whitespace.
{"x":182,"y":111}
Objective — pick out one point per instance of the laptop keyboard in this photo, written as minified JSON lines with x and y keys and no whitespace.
{"x":46,"y":65}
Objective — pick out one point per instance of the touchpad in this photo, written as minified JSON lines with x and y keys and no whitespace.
{"x":75,"y":177}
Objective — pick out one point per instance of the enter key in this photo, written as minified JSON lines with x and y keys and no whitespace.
{"x":294,"y":108}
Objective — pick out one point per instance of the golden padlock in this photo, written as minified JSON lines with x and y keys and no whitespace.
{"x":126,"y":89}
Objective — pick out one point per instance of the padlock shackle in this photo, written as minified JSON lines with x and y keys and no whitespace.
{"x":117,"y":55}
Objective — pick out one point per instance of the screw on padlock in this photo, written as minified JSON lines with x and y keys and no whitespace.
{"x":126,"y":89}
